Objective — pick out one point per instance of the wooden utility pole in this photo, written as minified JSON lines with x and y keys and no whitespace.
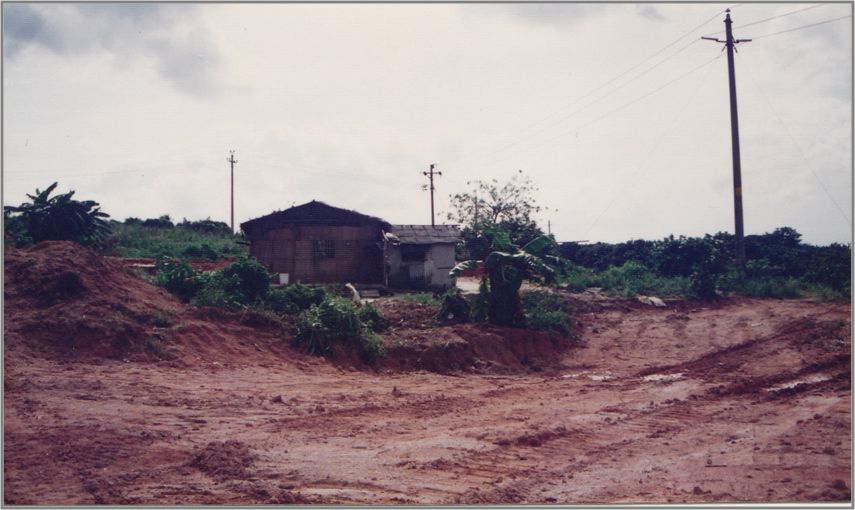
{"x":231,"y":159}
{"x":730,"y":44}
{"x":430,"y":176}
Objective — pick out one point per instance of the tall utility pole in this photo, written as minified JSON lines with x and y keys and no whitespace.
{"x":231,"y":159}
{"x":730,"y":44}
{"x":430,"y":176}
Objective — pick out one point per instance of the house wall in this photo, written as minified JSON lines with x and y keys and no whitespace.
{"x":290,"y":249}
{"x":430,"y":272}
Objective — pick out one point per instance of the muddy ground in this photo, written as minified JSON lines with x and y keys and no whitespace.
{"x":743,"y":400}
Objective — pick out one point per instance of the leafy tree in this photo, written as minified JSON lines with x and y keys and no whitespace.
{"x":162,"y":222}
{"x":506,"y":269}
{"x":491,"y":207}
{"x":58,"y":218}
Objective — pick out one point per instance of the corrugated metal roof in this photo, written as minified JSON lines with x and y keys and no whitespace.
{"x":426,"y":234}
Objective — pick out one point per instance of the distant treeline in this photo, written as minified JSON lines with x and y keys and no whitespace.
{"x":777,"y":254}
{"x":207,"y":226}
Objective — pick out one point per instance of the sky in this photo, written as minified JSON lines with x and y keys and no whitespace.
{"x":619,"y":113}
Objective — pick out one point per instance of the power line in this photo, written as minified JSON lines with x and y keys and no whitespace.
{"x":620,"y":75}
{"x":764,"y":20}
{"x":799,"y":147}
{"x":562,"y":133}
{"x":653,"y":148}
{"x":803,"y":27}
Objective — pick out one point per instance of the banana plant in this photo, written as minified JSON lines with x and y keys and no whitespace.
{"x":505,"y":271}
{"x":61,"y":218}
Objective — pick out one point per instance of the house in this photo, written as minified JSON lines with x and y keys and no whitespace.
{"x":318,"y":243}
{"x":420,"y":256}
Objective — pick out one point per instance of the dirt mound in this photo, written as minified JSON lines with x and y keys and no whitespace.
{"x":223,"y":460}
{"x":62,"y":298}
{"x":471,"y":348}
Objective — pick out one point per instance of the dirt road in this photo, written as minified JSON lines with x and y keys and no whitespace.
{"x":747,"y":400}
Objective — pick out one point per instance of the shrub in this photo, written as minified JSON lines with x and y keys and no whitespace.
{"x":577,"y":278}
{"x":294,"y":298}
{"x":245,"y":279}
{"x":455,"y":309}
{"x":177,"y":277}
{"x":372,"y":318}
{"x":335,"y":321}
{"x":480,"y":302}
{"x":217,"y":290}
{"x":633,"y":278}
{"x":771,"y":286}
{"x":545,"y":311}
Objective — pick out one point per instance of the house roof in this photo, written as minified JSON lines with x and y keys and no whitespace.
{"x":310,"y":213}
{"x":426,"y":234}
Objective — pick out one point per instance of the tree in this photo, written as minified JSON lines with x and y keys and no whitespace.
{"x":506,"y":268}
{"x":490,"y":206}
{"x":59,"y":218}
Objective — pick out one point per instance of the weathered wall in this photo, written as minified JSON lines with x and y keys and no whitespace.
{"x":430,"y":272}
{"x":290,"y":249}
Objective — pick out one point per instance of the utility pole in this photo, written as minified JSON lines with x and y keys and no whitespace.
{"x":430,"y":176}
{"x":231,"y":159}
{"x":730,"y":44}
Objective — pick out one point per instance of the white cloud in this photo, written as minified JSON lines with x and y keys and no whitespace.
{"x":349,"y":103}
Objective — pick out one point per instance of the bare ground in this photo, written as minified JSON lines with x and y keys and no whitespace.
{"x":741,"y":400}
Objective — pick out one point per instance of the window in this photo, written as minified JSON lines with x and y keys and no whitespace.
{"x":323,"y":249}
{"x":413,"y":252}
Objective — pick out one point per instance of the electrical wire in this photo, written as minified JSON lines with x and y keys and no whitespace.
{"x":614,"y":79}
{"x":764,"y":20}
{"x":652,"y":150}
{"x":798,"y":146}
{"x":803,"y":27}
{"x":563,"y":133}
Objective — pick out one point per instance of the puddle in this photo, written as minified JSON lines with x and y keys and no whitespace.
{"x":663,"y":377}
{"x":811,"y":379}
{"x":593,"y":377}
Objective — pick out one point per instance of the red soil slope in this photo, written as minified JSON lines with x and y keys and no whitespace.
{"x":742,"y":400}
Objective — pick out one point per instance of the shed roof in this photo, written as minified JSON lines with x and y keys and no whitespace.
{"x":310,"y":213}
{"x":427,"y":234}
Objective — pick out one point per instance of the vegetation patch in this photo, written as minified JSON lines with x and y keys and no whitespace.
{"x":336,"y":322}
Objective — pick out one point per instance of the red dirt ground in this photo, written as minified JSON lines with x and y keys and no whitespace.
{"x":736,"y":401}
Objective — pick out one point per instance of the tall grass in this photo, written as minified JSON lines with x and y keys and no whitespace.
{"x":138,"y":241}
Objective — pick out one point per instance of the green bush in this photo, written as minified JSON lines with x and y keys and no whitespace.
{"x":217,"y":291}
{"x":577,"y":278}
{"x":177,"y":277}
{"x":334,"y":321}
{"x":455,"y":309}
{"x":245,"y":279}
{"x":294,"y":298}
{"x":545,"y":311}
{"x":771,"y":286}
{"x":632,"y":279}
{"x":372,"y":318}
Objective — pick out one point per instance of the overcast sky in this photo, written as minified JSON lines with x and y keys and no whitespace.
{"x":137,"y":105}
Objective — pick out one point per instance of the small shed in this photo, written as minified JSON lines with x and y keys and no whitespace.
{"x":319,"y":243}
{"x":420,"y":256}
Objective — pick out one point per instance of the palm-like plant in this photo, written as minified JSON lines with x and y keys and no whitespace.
{"x":61,"y":218}
{"x":506,"y":269}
